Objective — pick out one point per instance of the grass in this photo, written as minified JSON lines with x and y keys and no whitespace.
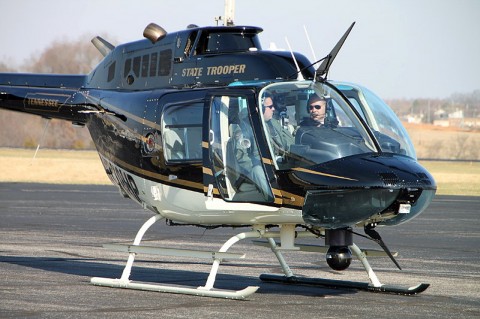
{"x":84,"y":167}
{"x":455,"y":178}
{"x":52,"y":166}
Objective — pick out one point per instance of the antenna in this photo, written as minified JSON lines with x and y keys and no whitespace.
{"x":310,"y":43}
{"x":41,"y":139}
{"x":299,"y":72}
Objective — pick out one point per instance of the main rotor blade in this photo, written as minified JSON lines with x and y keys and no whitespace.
{"x":323,"y":68}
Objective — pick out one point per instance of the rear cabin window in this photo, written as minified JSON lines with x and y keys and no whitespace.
{"x":136,"y":65}
{"x":127,"y":67}
{"x":153,"y":64}
{"x":111,"y":72}
{"x":145,"y":60}
{"x":165,"y":65}
{"x":182,"y":132}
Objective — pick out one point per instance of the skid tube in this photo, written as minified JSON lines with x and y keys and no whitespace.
{"x":206,"y":291}
{"x":373,"y":286}
{"x":286,"y":234}
{"x":330,"y":283}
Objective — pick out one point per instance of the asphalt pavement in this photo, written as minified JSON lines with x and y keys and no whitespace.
{"x":51,"y":239}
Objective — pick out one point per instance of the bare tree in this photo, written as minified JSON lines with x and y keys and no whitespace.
{"x":64,"y":57}
{"x":60,"y":57}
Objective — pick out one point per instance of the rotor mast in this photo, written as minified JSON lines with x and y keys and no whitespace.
{"x":229,"y":13}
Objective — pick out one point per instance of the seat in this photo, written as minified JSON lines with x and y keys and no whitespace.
{"x":174,"y":147}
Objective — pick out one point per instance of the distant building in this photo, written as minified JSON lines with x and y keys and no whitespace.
{"x":415,"y":118}
{"x":458,"y":114}
{"x":455,"y":119}
{"x":440,"y":115}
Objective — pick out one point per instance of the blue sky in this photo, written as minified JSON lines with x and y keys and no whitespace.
{"x":398,"y":48}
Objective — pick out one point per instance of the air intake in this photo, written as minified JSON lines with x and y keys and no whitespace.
{"x":389,"y":179}
{"x":154,"y":32}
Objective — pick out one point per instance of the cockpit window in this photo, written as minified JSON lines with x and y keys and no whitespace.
{"x":389,"y":131}
{"x":310,"y":123}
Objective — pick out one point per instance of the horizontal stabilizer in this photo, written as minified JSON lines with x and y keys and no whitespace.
{"x":43,"y":80}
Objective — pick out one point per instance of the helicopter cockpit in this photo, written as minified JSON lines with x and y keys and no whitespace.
{"x":334,"y":132}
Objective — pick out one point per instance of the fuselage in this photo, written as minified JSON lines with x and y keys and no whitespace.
{"x":180,"y":128}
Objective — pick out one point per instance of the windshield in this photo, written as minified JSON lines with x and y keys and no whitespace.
{"x":309,"y":123}
{"x":389,"y":131}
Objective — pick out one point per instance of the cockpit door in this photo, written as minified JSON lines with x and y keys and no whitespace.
{"x":237,"y":169}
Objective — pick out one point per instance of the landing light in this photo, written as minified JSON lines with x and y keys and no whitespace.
{"x":404,"y":208}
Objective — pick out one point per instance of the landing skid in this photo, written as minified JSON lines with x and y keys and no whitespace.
{"x":287,"y":234}
{"x":294,"y":280}
{"x":215,"y":293}
{"x":373,"y":286}
{"x":205,"y":291}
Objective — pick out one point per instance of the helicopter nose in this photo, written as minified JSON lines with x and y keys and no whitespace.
{"x":387,"y":189}
{"x":342,"y":208}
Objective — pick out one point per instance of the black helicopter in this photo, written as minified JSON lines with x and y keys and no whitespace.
{"x":183,"y":115}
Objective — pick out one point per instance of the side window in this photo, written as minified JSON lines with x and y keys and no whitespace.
{"x":111,"y":72}
{"x":165,"y":64}
{"x":153,"y":64}
{"x":145,"y":60}
{"x":236,"y":162}
{"x":189,"y":44}
{"x":136,"y":66}
{"x":127,"y":67}
{"x":182,"y":132}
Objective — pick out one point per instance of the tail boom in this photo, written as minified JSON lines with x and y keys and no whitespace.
{"x":49,"y":96}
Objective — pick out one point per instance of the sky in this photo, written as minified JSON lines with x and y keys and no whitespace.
{"x":398,"y":48}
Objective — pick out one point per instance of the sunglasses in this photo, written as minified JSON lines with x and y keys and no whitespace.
{"x":316,"y":106}
{"x":271,"y":106}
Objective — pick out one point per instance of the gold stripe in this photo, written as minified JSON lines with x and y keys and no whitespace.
{"x":207,"y":171}
{"x":304,"y":170}
{"x":131,"y":116}
{"x":267,"y":161}
{"x":154,"y":175}
{"x":205,"y":144}
{"x":277,"y":192}
{"x":292,"y":199}
{"x":215,"y":190}
{"x":53,"y":94}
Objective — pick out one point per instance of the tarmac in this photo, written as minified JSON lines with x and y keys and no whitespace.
{"x":51,"y":239}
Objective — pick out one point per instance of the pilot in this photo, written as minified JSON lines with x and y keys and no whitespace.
{"x":316,"y":108}
{"x":280,"y":136}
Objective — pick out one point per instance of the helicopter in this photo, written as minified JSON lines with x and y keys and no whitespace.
{"x":187,"y":124}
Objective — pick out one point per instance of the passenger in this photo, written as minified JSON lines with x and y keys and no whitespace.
{"x":316,"y":107}
{"x":245,"y":167}
{"x":280,"y":137}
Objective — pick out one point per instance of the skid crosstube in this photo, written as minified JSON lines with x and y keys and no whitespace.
{"x":391,"y":289}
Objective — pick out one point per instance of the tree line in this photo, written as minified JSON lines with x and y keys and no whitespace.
{"x":80,"y":57}
{"x":25,"y":130}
